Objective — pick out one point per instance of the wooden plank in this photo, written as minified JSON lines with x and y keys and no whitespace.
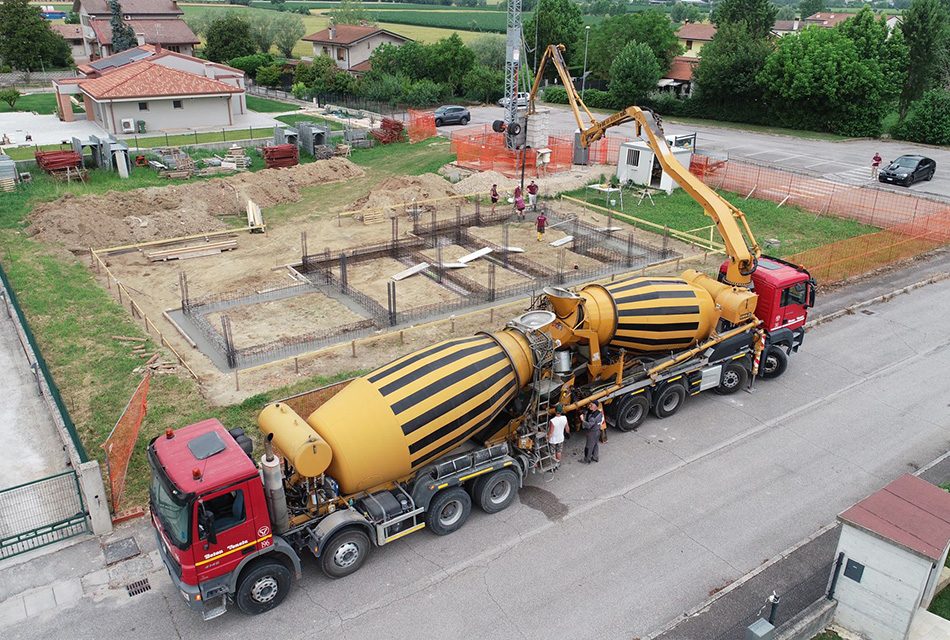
{"x":514,"y":250}
{"x":562,"y":241}
{"x":475,"y":255}
{"x":422,"y":266}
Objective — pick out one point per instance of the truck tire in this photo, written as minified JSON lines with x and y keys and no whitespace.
{"x":262,"y":587}
{"x":345,"y":553}
{"x":774,"y":363}
{"x":669,"y":400}
{"x":734,"y":377}
{"x":448,"y":511}
{"x":496,"y":491}
{"x":631,"y":411}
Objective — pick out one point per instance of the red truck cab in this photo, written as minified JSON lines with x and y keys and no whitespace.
{"x":209,"y":532}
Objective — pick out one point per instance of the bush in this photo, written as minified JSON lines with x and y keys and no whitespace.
{"x":928,"y":119}
{"x":425,"y":93}
{"x":10,"y":96}
{"x":250,"y":64}
{"x":555,"y":95}
{"x":269,"y":75}
{"x":597,"y":99}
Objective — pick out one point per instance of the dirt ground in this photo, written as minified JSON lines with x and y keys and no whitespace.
{"x":524,"y":235}
{"x":264,"y":322}
{"x":372,"y":278}
{"x":475,"y":271}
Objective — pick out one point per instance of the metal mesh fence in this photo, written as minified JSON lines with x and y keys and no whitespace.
{"x":40,"y":513}
{"x":421,"y":125}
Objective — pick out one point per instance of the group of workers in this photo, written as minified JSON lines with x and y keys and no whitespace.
{"x":591,"y":421}
{"x":540,"y":221}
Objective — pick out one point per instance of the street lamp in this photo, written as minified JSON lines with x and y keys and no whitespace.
{"x":584,"y":77}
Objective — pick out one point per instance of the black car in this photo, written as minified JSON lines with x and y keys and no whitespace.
{"x":451,"y":114}
{"x":907,"y":170}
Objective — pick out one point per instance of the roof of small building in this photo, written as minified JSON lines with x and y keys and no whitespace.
{"x":347,"y":34}
{"x":68,"y":31}
{"x":362,"y":67}
{"x":696,"y":31}
{"x":158,"y":31}
{"x":828,"y":19}
{"x":787,"y":25}
{"x":144,"y":79}
{"x":149,"y":52}
{"x":682,"y":68}
{"x":130,"y":7}
{"x":909,"y":512}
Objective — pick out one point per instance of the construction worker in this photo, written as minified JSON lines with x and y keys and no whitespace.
{"x":533,"y":195}
{"x":591,"y":425}
{"x":557,"y":428}
{"x":541,"y":221}
{"x":493,"y":194}
{"x":519,"y":203}
{"x":876,"y":164}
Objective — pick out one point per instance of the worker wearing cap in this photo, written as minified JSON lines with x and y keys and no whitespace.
{"x":533,"y":195}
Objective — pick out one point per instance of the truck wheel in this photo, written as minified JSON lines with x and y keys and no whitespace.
{"x":448,"y":511}
{"x":263,"y":587}
{"x":774,"y":363}
{"x":631,"y":412}
{"x":734,"y":377}
{"x":496,"y":491}
{"x":345,"y":553}
{"x":669,"y":400}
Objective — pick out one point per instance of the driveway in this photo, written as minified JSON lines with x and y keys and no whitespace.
{"x":846,"y":161}
{"x":45,"y":129}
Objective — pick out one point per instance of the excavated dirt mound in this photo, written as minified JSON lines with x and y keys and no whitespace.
{"x":126,"y":217}
{"x":399,"y":191}
{"x":553,"y":184}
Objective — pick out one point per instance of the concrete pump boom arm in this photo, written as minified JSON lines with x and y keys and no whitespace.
{"x":743,"y":256}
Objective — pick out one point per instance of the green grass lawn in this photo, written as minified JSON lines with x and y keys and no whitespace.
{"x":44,"y":103}
{"x":266,"y":105}
{"x":797,"y":229}
{"x":827,"y":635}
{"x":294,"y":118}
{"x":941,"y":604}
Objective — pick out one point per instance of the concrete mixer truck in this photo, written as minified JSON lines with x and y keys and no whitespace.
{"x":416,"y":443}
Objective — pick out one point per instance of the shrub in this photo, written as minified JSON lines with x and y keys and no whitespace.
{"x":10,"y":96}
{"x":555,"y":95}
{"x":268,"y":75}
{"x":928,"y":119}
{"x":250,"y":64}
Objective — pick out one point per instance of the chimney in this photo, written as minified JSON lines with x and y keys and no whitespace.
{"x":332,"y":29}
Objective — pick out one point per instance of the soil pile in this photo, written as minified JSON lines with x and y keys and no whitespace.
{"x":400,"y":191}
{"x":140,"y":215}
{"x":550,"y":185}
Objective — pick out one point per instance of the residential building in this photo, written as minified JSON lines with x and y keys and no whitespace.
{"x":693,"y":35}
{"x":826,"y":20}
{"x":679,"y":79}
{"x":350,"y":46}
{"x":166,"y":90}
{"x":785,"y":27}
{"x":72,"y":34}
{"x":157,"y":22}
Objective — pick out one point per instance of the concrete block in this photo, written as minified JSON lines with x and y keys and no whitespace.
{"x":67,"y":592}
{"x":94,"y":495}
{"x":38,"y":601}
{"x":12,"y":611}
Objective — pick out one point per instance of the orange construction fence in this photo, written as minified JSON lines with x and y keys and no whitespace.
{"x":121,"y":442}
{"x":421,"y":125}
{"x":910,"y":225}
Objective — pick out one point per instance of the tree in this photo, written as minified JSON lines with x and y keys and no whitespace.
{"x":818,"y":80}
{"x":449,"y":61}
{"x":71,"y":18}
{"x":263,"y":31}
{"x":123,"y":36}
{"x":269,"y":75}
{"x":726,"y":74}
{"x":811,"y":7}
{"x":759,"y":15}
{"x":288,"y":29}
{"x":200,"y":22}
{"x":228,"y":36}
{"x":682,"y":12}
{"x":10,"y":96}
{"x":633,"y":74}
{"x":349,"y":12}
{"x":877,"y":46}
{"x":489,"y":50}
{"x":928,"y":119}
{"x":786,"y":12}
{"x":652,"y":28}
{"x":26,"y":41}
{"x":484,"y":84}
{"x":555,"y":22}
{"x":250,"y":64}
{"x":926,"y":34}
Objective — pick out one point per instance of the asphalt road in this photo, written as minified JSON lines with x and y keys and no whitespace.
{"x":617,"y":549}
{"x":846,"y":161}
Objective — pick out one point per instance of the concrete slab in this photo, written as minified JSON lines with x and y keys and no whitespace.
{"x":44,"y":129}
{"x":120,"y":550}
{"x":38,"y":601}
{"x":12,"y":611}
{"x":67,"y":592}
{"x":928,"y":626}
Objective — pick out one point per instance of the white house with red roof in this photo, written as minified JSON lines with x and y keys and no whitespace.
{"x":72,"y":34}
{"x":351,"y":45}
{"x":157,"y":22}
{"x":693,"y":36}
{"x":164,"y":89}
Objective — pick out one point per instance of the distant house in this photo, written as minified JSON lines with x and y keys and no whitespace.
{"x":164,"y":89}
{"x":693,"y":36}
{"x":72,"y":34}
{"x":351,"y":45}
{"x":156,"y":22}
{"x":679,"y":79}
{"x":785,"y":27}
{"x":826,"y":20}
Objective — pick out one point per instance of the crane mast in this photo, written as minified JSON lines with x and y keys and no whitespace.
{"x":512,"y":65}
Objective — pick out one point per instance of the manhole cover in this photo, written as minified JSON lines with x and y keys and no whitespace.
{"x":138,"y":587}
{"x":120,"y":550}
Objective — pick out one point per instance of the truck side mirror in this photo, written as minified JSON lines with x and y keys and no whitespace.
{"x":811,"y":292}
{"x":206,"y":524}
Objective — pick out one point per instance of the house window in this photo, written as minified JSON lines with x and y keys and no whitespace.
{"x":143,"y":106}
{"x":226,"y":511}
{"x":340,"y":54}
{"x":174,"y":48}
{"x":689,"y":45}
{"x":177,"y":104}
{"x":326,"y":51}
{"x":633,"y":157}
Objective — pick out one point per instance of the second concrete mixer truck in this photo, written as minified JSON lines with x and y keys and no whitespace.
{"x":416,"y":443}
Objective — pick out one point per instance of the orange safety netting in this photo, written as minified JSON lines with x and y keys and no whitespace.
{"x":421,"y":125}
{"x":121,"y":442}
{"x":909,"y":225}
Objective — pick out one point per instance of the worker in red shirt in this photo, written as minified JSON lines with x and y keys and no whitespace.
{"x":542,"y":221}
{"x":533,"y":196}
{"x":875,"y":164}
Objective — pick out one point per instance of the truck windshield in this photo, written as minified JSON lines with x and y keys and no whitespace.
{"x":174,"y":514}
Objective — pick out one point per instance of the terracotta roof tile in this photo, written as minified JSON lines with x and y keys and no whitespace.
{"x":682,"y":68}
{"x":828,"y":19}
{"x":363,"y":67}
{"x":347,"y":34}
{"x":68,"y":31}
{"x":696,"y":31}
{"x":166,"y":32}
{"x":145,"y":79}
{"x":130,"y":7}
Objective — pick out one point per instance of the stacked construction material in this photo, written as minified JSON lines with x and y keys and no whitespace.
{"x":389,"y":131}
{"x":8,"y":173}
{"x":281,"y":155}
{"x":53,"y":161}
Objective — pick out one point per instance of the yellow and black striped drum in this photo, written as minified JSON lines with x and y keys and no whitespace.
{"x":654,"y":314}
{"x":386,"y":425}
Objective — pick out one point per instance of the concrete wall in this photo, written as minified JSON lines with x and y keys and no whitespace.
{"x":809,"y":623}
{"x":161,"y":115}
{"x":882,"y":605}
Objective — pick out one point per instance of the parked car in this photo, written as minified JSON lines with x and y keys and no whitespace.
{"x":522,"y":100}
{"x":451,"y":114}
{"x":906,"y":170}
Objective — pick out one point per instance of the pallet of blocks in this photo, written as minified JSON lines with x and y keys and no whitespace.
{"x":281,"y":155}
{"x":178,"y":163}
{"x":236,"y":157}
{"x":191,"y":251}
